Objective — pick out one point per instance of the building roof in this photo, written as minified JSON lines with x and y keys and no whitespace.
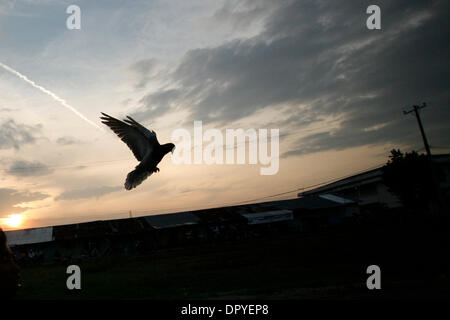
{"x":313,"y":202}
{"x":216,"y":216}
{"x":82,"y":230}
{"x":441,"y":158}
{"x":268,"y":216}
{"x":170,"y":220}
{"x":336,"y":199}
{"x":128,"y":226}
{"x":28,"y":236}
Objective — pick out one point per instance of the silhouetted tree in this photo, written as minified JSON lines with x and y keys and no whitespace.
{"x":408,"y":176}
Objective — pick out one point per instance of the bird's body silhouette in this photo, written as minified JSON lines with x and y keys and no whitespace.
{"x":144,"y":145}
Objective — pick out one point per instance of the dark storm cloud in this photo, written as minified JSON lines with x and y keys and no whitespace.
{"x":157,"y":103}
{"x":143,"y":71}
{"x":14,"y":135}
{"x":22,"y":168}
{"x":10,"y":198}
{"x":90,"y":192}
{"x":321,"y":54}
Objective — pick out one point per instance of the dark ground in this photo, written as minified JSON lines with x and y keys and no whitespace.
{"x":413,"y":257}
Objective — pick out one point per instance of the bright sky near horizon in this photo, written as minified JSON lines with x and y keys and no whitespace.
{"x":311,"y":69}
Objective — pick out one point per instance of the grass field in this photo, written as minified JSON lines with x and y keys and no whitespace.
{"x":320,"y":266}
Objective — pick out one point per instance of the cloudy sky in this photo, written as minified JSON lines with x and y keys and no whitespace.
{"x":312,"y":69}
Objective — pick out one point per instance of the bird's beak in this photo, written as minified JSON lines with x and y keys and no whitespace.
{"x":173,"y":149}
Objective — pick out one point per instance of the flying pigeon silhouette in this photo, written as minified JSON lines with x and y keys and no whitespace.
{"x":143,"y":143}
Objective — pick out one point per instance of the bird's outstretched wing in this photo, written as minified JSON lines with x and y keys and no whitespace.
{"x":140,"y":140}
{"x":149,"y":134}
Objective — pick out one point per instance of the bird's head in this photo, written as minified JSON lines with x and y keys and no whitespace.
{"x":169,"y":147}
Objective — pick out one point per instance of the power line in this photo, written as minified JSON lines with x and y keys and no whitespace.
{"x":308,"y":187}
{"x":142,"y":212}
{"x":277,"y":194}
{"x":262,"y":198}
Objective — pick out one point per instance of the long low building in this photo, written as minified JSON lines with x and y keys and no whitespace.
{"x":141,"y":234}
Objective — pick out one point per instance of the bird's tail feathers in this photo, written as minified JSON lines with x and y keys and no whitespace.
{"x":135,"y":178}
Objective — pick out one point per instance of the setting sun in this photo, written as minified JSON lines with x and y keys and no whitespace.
{"x":14,"y":220}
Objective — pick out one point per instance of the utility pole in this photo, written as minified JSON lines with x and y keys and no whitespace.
{"x":419,"y":121}
{"x":440,"y":199}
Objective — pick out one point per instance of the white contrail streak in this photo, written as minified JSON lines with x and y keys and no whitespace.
{"x":51,"y":94}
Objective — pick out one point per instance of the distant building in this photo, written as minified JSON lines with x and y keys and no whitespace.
{"x":318,"y":212}
{"x":369,"y":189}
{"x":173,"y":229}
{"x":443,"y":162}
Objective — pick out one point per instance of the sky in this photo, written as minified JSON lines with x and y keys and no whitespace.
{"x":312,"y":69}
